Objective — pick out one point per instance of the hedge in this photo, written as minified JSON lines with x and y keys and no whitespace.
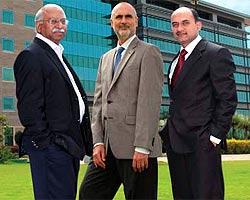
{"x":238,"y":147}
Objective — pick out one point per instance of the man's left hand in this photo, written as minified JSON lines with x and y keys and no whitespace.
{"x":140,"y":162}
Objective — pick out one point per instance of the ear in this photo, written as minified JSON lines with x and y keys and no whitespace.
{"x":136,"y":21}
{"x":199,"y":25}
{"x":38,"y":26}
{"x":111,"y":22}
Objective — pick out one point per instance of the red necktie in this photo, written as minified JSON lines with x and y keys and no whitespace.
{"x":178,"y":67}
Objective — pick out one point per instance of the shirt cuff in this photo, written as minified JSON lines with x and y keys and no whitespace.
{"x":215,"y":139}
{"x":142,"y":150}
{"x":99,"y":143}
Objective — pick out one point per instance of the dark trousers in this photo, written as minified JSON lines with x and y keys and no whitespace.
{"x":54,"y":173}
{"x":101,"y":183}
{"x":197,"y":175}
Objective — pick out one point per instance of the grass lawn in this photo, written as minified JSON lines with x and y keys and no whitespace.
{"x":15,"y":181}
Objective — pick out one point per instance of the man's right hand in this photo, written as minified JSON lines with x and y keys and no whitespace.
{"x":99,"y":156}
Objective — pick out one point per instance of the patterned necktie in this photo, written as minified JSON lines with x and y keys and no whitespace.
{"x":178,"y":67}
{"x":118,"y":58}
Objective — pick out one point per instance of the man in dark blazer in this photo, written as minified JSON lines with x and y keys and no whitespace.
{"x":126,"y":113}
{"x":202,"y":102}
{"x":53,"y":108}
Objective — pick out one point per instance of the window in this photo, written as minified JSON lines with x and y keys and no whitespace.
{"x":8,"y":103}
{"x":7,"y":74}
{"x":8,"y":44}
{"x":242,"y":96}
{"x":7,"y":16}
{"x":8,"y":136}
{"x":29,"y":20}
{"x":165,"y":90}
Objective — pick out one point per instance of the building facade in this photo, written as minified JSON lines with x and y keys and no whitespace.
{"x":90,"y":35}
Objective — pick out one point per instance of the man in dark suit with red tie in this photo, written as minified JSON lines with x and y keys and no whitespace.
{"x":202,"y":102}
{"x":53,"y":108}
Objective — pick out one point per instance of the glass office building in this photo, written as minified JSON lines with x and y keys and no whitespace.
{"x":87,"y":37}
{"x":90,"y":35}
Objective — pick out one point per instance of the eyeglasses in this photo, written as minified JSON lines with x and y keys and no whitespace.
{"x":53,"y":21}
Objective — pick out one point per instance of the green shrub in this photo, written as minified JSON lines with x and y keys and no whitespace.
{"x":5,"y":154}
{"x":238,"y":146}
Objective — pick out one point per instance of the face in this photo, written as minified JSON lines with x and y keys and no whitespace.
{"x":54,"y":24}
{"x":185,"y":28}
{"x":124,"y":21}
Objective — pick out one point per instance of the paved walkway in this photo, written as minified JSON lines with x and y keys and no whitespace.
{"x":226,"y":157}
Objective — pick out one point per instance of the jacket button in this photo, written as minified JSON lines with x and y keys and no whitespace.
{"x":109,"y":102}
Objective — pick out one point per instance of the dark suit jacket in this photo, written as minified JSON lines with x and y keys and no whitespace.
{"x":203,"y":100}
{"x":47,"y":104}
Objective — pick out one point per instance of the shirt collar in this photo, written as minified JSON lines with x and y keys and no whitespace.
{"x":190,"y":47}
{"x":127,"y":43}
{"x":57,"y":48}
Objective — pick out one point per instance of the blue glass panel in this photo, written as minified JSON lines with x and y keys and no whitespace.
{"x":8,"y":44}
{"x":8,"y":103}
{"x":7,"y":74}
{"x":29,"y":20}
{"x":8,"y":16}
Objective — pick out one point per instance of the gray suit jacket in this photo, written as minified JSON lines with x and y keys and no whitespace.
{"x":126,"y":107}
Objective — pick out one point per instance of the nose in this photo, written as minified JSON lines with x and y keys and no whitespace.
{"x":123,"y":19}
{"x":179,"y":27}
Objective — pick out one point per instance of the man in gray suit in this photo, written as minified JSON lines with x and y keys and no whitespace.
{"x":125,"y":116}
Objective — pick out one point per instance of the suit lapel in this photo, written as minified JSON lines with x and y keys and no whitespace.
{"x":110,"y":65}
{"x":129,"y":52}
{"x":190,"y":63}
{"x":170,"y":88}
{"x":54,"y":58}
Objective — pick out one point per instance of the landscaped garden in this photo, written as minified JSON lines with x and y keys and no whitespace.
{"x":15,"y":177}
{"x":15,"y":181}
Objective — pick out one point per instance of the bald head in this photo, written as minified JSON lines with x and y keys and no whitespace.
{"x":187,"y":10}
{"x":123,"y":5}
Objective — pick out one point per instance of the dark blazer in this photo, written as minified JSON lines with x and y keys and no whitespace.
{"x":47,"y":104}
{"x":203,"y":100}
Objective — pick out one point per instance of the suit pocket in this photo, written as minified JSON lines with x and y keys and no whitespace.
{"x":204,"y":140}
{"x":130,"y":119}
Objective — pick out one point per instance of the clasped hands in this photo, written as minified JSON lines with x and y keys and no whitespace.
{"x":139,"y":164}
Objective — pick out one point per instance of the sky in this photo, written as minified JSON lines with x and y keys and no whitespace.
{"x":242,"y":6}
{"x":237,"y":5}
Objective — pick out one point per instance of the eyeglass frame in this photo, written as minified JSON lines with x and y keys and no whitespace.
{"x":54,"y":21}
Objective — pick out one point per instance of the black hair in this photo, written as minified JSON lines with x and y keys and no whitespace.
{"x":195,"y":14}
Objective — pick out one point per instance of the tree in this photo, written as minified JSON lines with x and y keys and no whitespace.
{"x":235,"y":122}
{"x":3,"y":123}
{"x":244,"y":124}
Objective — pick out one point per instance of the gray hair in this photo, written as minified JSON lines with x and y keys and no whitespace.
{"x":39,"y":14}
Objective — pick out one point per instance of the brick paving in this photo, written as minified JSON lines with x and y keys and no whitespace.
{"x":225,"y":157}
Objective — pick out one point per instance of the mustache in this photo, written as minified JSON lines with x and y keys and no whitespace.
{"x":124,"y":26}
{"x":180,"y":32}
{"x":60,"y":30}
